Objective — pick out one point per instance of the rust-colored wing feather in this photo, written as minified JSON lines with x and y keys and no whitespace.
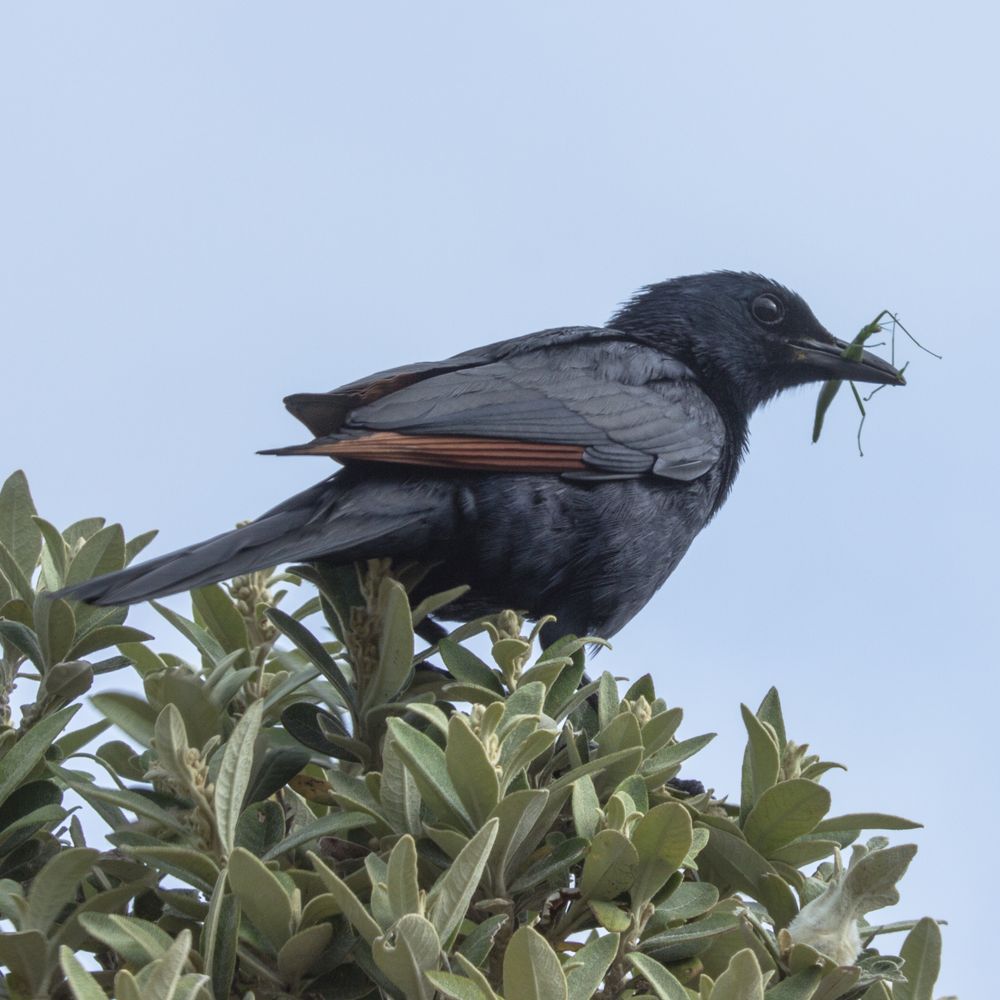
{"x":447,"y":452}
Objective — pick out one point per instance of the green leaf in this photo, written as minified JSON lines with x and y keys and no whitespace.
{"x":219,"y":936}
{"x":761,"y":761}
{"x":457,"y":987}
{"x":302,"y":951}
{"x":519,"y":814}
{"x":784,"y":812}
{"x":134,"y":716}
{"x":474,"y":777}
{"x":105,"y":636}
{"x":466,"y":666}
{"x":478,"y":943}
{"x":866,"y":821}
{"x":103,"y":552}
{"x":214,"y":610}
{"x":263,"y":898}
{"x":586,"y":807}
{"x":426,"y":762}
{"x":23,"y":639}
{"x":199,"y":637}
{"x":552,"y":865}
{"x":610,"y":867}
{"x":234,"y":775}
{"x":395,"y":645}
{"x":160,"y":980}
{"x":687,"y":901}
{"x":689,"y":939}
{"x":398,"y":791}
{"x":135,"y":545}
{"x":130,"y":801}
{"x":352,"y":907}
{"x":25,"y":954}
{"x":921,"y":954}
{"x":731,"y":863}
{"x":663,"y":982}
{"x":30,"y":749}
{"x":742,"y":979}
{"x":55,"y":628}
{"x":531,"y":969}
{"x":313,"y":649}
{"x":591,"y":963}
{"x":334,"y":822}
{"x":406,"y":953}
{"x":662,"y":839}
{"x":261,"y":825}
{"x":451,"y":895}
{"x":401,"y":878}
{"x":137,"y":941}
{"x":194,"y":867}
{"x":18,"y":531}
{"x":81,"y":982}
{"x":800,"y":986}
{"x":55,"y":886}
{"x":778,"y":899}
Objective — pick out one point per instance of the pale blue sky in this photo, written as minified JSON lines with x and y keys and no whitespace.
{"x":204,"y":207}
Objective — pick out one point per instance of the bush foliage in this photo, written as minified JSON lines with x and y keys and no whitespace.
{"x":322,"y":805}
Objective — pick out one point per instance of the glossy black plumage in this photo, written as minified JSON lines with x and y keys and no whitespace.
{"x":639,"y":427}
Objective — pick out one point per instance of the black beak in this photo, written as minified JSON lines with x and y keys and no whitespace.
{"x":831,"y":360}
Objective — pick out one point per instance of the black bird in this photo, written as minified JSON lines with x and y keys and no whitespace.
{"x":565,"y":472}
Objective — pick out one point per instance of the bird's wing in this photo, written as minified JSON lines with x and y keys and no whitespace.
{"x":605,"y":409}
{"x":325,"y":412}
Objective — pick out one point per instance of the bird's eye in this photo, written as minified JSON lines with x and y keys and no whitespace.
{"x":767,"y":309}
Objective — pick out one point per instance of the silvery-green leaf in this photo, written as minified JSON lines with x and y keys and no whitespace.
{"x":921,"y":954}
{"x":866,"y":821}
{"x":134,"y":716}
{"x":137,"y":941}
{"x":591,"y":963}
{"x":610,"y":866}
{"x":469,"y":768}
{"x":525,"y":753}
{"x":219,"y":936}
{"x":687,"y":901}
{"x":761,"y":761}
{"x":531,"y":969}
{"x":660,"y":729}
{"x":586,"y":807}
{"x":159,"y":980}
{"x":25,"y":954}
{"x":83,"y":985}
{"x":478,"y":943}
{"x":517,"y":813}
{"x":194,"y":867}
{"x":260,"y":827}
{"x":662,"y":980}
{"x":465,"y":666}
{"x":401,"y":878}
{"x":262,"y":896}
{"x":395,"y":646}
{"x":55,"y":886}
{"x":662,"y":839}
{"x":450,"y":897}
{"x":426,"y":762}
{"x":302,"y":951}
{"x":398,"y":792}
{"x":22,"y":757}
{"x":406,"y":952}
{"x":215,"y":611}
{"x":554,"y":864}
{"x":18,"y":531}
{"x":456,"y":987}
{"x":742,"y":979}
{"x":785,"y":811}
{"x":234,"y":775}
{"x":352,"y":907}
{"x":324,"y":826}
{"x":103,"y":552}
{"x":688,"y":939}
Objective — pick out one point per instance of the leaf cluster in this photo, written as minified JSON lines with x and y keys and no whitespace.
{"x":318,"y":804}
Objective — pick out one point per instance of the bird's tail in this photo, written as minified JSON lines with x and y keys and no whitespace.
{"x":323,"y":521}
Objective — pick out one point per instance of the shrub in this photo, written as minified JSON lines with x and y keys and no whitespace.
{"x":313,"y":809}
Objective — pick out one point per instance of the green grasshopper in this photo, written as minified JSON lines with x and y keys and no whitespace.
{"x":830,"y":388}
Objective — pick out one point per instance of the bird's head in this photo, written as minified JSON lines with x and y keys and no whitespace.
{"x":745,"y":336}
